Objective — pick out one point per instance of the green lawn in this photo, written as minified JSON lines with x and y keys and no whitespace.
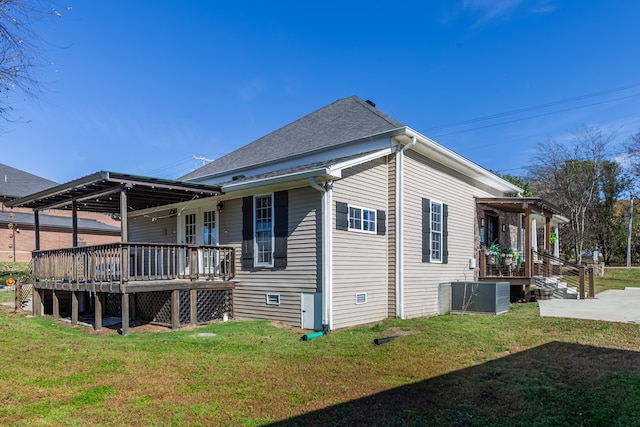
{"x":618,"y":278}
{"x":516,"y":369}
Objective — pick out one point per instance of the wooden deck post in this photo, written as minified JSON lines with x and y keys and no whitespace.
{"x":193,"y":305}
{"x":97,"y":310}
{"x":56,"y":304}
{"x":175,"y":309}
{"x":125,"y":313}
{"x":36,"y":304}
{"x":74,"y":308}
{"x":592,"y":284}
{"x":581,"y":282}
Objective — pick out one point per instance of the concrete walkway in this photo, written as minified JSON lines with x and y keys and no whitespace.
{"x":614,"y":305}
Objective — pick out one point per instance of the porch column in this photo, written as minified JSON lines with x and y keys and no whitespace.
{"x":36,"y":304}
{"x":74,"y":223}
{"x":528,"y":255}
{"x":56,"y":304}
{"x":125,"y":313}
{"x":74,"y":308}
{"x":175,"y":309}
{"x":36,"y":223}
{"x":97,"y":311}
{"x":124,"y":229}
{"x":547,"y":235}
{"x":556,"y":244}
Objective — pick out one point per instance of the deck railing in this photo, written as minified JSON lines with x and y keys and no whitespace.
{"x":125,"y":262}
{"x":542,"y":265}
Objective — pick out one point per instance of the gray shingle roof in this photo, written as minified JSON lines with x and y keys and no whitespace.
{"x":22,"y":218}
{"x":15,"y":183}
{"x":345,"y":120}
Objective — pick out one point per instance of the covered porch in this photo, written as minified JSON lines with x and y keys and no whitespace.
{"x":518,"y":239}
{"x":169,"y":284}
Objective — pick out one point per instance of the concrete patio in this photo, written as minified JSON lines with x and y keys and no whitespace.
{"x":614,"y":305}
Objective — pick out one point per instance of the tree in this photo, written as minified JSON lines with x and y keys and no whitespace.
{"x":19,"y":55}
{"x":517,"y":180}
{"x":606,"y":224}
{"x":569,"y":173}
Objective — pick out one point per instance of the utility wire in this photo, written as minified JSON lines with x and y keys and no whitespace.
{"x":539,"y":115}
{"x":535,"y":107}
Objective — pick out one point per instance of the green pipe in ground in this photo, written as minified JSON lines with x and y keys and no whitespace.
{"x":307,"y":337}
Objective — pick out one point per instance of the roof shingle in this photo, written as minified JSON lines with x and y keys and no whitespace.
{"x":345,"y":120}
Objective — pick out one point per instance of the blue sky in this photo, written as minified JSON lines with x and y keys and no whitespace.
{"x":143,"y":86}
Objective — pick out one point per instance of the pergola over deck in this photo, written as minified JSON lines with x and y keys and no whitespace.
{"x":112,"y":193}
{"x":128,"y":267}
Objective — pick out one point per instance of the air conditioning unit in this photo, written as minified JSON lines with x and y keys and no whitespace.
{"x":480,"y":297}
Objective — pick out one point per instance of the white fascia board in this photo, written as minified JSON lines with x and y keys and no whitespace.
{"x":259,"y":182}
{"x":461,"y":164}
{"x":339,"y":167}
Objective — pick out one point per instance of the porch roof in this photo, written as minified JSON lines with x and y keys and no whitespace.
{"x":521,"y":205}
{"x":98,"y":192}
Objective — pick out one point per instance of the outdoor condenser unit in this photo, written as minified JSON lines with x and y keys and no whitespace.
{"x":480,"y":297}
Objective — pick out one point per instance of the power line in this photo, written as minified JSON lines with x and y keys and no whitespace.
{"x":539,"y":115}
{"x":536,"y":107}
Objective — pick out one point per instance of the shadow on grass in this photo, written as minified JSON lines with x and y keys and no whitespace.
{"x":553,"y":384}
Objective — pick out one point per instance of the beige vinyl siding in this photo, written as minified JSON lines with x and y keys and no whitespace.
{"x":391,"y":236}
{"x":425,"y":179}
{"x":360,"y":259}
{"x":159,"y":227}
{"x":303,"y":254}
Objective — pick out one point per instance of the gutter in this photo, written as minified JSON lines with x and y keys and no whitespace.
{"x":327,"y":252}
{"x":400,"y":227}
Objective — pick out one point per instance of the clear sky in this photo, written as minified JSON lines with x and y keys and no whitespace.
{"x":142,"y":86}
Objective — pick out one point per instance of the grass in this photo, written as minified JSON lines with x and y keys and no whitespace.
{"x":452,"y":370}
{"x":618,"y":278}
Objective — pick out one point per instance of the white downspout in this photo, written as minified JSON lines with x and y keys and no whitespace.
{"x":327,"y":252}
{"x":400,"y":228}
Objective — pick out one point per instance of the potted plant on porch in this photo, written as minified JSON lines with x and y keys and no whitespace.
{"x":493,"y":254}
{"x":508,"y":255}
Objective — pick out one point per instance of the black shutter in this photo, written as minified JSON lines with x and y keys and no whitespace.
{"x":445,"y":234}
{"x":280,"y":228}
{"x":342,"y":216}
{"x":381,"y":223}
{"x":426,"y":230}
{"x":247,"y":232}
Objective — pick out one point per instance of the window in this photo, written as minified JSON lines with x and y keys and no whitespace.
{"x":210,"y":228}
{"x":263,"y":230}
{"x":361,"y":219}
{"x":273,"y":299}
{"x":434,"y":232}
{"x":190,"y":229}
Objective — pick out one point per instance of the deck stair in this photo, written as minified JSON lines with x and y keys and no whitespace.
{"x":561,"y":290}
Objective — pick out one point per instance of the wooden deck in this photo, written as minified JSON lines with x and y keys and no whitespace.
{"x":169,"y":282}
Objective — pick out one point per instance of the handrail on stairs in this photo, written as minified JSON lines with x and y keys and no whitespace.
{"x":583,"y":271}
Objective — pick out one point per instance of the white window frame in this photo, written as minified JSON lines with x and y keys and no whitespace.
{"x":436,"y":233}
{"x":256,"y":252}
{"x":361,"y":227}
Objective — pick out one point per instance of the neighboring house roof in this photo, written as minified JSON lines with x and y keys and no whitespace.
{"x":341,"y":122}
{"x":52,"y":221}
{"x":15,"y":183}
